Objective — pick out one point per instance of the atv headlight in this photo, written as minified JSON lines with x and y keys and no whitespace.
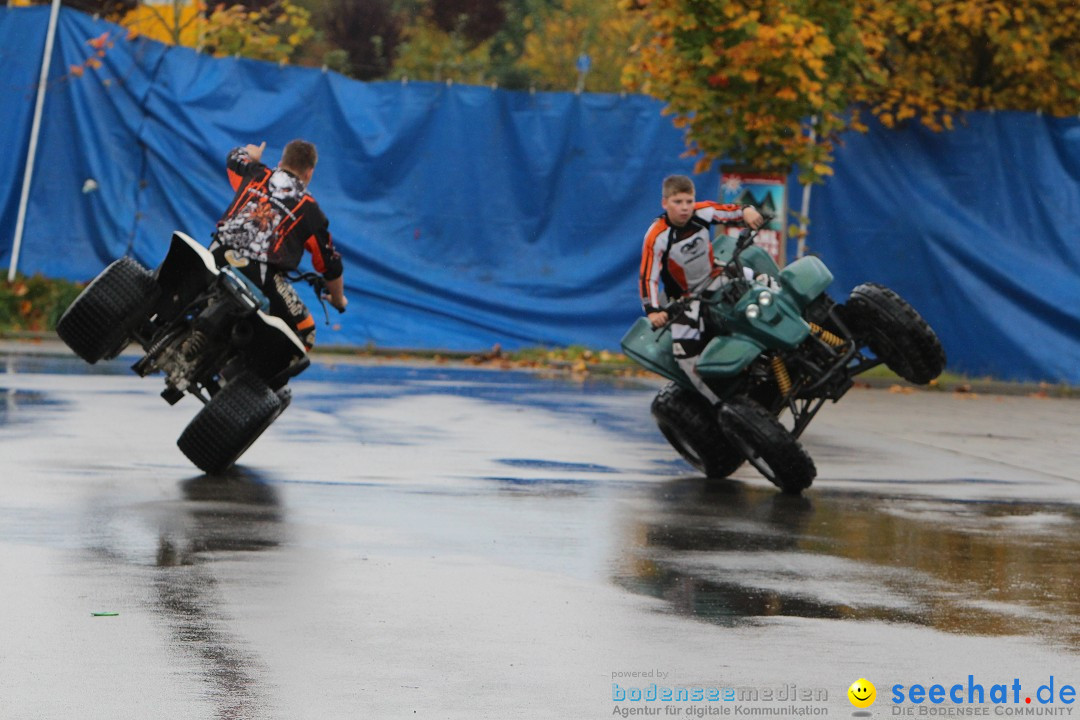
{"x":753,"y":311}
{"x":765,"y":299}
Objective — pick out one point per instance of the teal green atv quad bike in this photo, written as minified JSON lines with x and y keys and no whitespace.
{"x":779,"y":343}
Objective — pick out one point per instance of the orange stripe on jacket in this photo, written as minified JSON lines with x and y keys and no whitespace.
{"x":317,"y":259}
{"x":650,"y":275}
{"x":282,"y":231}
{"x":722,"y":212}
{"x":243,"y":198}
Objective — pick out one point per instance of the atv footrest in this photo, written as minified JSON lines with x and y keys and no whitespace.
{"x":172,"y":395}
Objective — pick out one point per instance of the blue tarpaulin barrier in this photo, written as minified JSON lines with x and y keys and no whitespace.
{"x":469,"y":216}
{"x":979,"y":228}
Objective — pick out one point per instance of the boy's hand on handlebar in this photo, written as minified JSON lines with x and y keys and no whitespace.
{"x":658,"y":319}
{"x":336,"y":293}
{"x":339,"y":303}
{"x":753,"y":218}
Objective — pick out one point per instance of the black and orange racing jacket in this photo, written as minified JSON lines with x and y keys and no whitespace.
{"x":272,"y":219}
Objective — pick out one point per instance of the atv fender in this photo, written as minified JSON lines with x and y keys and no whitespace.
{"x":186,"y":272}
{"x":805,"y":279}
{"x":727,"y":355}
{"x":276,"y":335}
{"x":187,"y":263}
{"x":189,"y":268}
{"x":651,"y":348}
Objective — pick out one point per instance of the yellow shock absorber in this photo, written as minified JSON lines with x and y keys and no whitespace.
{"x":826,"y":335}
{"x":782,"y":377}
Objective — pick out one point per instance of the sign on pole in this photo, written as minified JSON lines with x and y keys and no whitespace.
{"x":768,"y":193}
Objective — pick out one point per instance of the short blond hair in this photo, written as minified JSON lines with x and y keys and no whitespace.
{"x":674,"y":184}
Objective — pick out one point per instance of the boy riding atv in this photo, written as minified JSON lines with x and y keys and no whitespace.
{"x":223,"y":325}
{"x":269,"y":224}
{"x":678,"y":251}
{"x":777,"y":344}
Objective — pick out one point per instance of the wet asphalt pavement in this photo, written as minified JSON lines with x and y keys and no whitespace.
{"x":446,"y":542}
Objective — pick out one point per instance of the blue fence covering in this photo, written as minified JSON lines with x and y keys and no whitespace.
{"x":469,"y":216}
{"x":978,"y":228}
{"x":22,"y":40}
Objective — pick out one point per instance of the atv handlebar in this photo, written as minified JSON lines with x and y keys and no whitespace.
{"x":318,"y":284}
{"x":734,"y":269}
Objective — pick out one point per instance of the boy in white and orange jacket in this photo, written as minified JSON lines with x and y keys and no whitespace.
{"x":678,"y":254}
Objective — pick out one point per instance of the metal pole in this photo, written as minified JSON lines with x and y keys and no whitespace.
{"x":35,"y":129}
{"x":804,"y":211}
{"x":803,"y":220}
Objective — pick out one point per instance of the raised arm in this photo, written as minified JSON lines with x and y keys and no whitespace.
{"x":241,"y":161}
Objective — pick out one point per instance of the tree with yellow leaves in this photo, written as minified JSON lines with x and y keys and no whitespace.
{"x":771,"y":84}
{"x":755,"y":82}
{"x":271,"y":33}
{"x":939,"y":58}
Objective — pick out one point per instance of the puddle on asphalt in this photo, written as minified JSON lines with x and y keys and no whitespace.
{"x":728,"y":554}
{"x":552,"y":465}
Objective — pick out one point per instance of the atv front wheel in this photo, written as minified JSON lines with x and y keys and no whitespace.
{"x":687,"y":421}
{"x":227,"y":425}
{"x":99,"y":323}
{"x":767,"y":444}
{"x":895,"y":332}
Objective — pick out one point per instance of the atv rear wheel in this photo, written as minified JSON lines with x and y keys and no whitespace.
{"x":227,"y":425}
{"x":895,"y":332}
{"x":688,"y":422}
{"x":767,"y":444}
{"x":99,"y":323}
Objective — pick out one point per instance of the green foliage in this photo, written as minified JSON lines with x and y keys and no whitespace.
{"x":269,"y":34}
{"x":430,"y":53}
{"x":560,"y":33}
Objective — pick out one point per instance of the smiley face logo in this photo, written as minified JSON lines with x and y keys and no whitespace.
{"x":862,"y":693}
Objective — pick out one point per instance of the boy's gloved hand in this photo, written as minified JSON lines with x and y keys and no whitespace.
{"x":768,"y":281}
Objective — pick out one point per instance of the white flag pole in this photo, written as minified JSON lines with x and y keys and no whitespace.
{"x":35,"y":129}
{"x":804,"y":219}
{"x":805,"y":209}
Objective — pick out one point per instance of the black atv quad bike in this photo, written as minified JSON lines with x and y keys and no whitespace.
{"x":208,"y":330}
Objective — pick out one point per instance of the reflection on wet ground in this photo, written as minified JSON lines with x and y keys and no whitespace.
{"x":610,"y":507}
{"x":238,"y":512}
{"x":11,"y":401}
{"x":728,"y":553}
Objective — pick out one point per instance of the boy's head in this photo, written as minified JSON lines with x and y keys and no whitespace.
{"x":299,"y":158}
{"x":677,"y":199}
